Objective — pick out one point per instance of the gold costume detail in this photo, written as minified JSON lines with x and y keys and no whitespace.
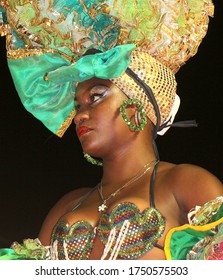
{"x":157,"y":76}
{"x":22,"y":53}
{"x":66,"y":124}
{"x":170,"y":31}
{"x":166,"y":34}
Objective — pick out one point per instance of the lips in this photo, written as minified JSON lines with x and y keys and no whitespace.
{"x":82,"y":130}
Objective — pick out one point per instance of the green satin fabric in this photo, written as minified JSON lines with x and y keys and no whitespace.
{"x":29,"y":249}
{"x":51,"y":101}
{"x":9,"y":254}
{"x":183,"y":241}
{"x":107,"y":65}
{"x":184,"y":238}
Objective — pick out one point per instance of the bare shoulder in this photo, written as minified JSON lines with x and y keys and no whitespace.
{"x":192,"y":185}
{"x":67,"y":201}
{"x":64,"y":205}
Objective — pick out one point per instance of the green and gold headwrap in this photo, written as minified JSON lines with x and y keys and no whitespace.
{"x":46,"y":41}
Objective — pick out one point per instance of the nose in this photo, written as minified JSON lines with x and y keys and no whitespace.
{"x":81,"y":116}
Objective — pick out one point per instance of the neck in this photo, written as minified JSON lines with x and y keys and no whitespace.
{"x":125,"y":164}
{"x":132,"y":180}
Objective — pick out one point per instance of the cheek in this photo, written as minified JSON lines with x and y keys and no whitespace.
{"x":107,"y":114}
{"x":116,"y":128}
{"x":108,"y":124}
{"x":108,"y":120}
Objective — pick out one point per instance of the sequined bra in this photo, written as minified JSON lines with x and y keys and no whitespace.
{"x":125,"y":232}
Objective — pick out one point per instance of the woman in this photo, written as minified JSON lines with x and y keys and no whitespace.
{"x":125,"y":93}
{"x":177,"y":188}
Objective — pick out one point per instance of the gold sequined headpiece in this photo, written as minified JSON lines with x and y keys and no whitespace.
{"x":159,"y":78}
{"x":46,"y":41}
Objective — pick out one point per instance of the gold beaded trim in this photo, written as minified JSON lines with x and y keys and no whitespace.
{"x":22,"y":53}
{"x":66,"y":123}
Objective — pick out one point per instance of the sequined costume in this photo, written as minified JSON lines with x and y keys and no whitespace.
{"x":125,"y":232}
{"x":200,"y":239}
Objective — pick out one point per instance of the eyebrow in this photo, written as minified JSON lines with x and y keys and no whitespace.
{"x":90,"y":88}
{"x":98,"y":86}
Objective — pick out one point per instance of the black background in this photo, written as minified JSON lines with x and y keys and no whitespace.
{"x":37,"y":168}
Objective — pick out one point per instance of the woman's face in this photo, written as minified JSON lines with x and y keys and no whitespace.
{"x":99,"y":125}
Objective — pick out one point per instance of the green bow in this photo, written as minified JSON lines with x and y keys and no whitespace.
{"x":51,"y":99}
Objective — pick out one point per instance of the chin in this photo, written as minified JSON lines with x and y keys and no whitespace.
{"x":91,"y":150}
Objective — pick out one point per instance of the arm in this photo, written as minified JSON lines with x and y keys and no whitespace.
{"x":193,"y":186}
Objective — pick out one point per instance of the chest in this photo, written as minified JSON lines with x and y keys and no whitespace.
{"x":123,"y":233}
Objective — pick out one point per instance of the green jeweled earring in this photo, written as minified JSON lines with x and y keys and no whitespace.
{"x":92,"y":160}
{"x":142,"y":117}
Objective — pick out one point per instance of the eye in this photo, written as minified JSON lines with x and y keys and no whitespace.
{"x":97,"y":93}
{"x":96,"y":97}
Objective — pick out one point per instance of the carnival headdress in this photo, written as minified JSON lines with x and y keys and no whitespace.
{"x":47,"y":40}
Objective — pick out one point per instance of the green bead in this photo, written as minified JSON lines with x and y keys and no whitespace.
{"x":92,"y":160}
{"x":140,"y":109}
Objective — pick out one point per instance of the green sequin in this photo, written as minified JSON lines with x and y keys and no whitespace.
{"x":141,"y":111}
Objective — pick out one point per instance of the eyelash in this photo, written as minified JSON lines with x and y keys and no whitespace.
{"x":92,"y":101}
{"x":92,"y":97}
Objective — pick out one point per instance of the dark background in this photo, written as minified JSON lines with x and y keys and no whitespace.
{"x":37,"y":168}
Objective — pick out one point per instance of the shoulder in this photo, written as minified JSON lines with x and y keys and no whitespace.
{"x":192,"y":185}
{"x":64,"y":205}
{"x":67,"y":202}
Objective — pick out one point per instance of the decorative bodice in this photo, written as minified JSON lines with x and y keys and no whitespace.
{"x":125,"y":232}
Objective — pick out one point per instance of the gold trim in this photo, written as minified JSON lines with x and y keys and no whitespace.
{"x":4,"y":30}
{"x":4,"y":4}
{"x":22,"y":53}
{"x":66,"y":124}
